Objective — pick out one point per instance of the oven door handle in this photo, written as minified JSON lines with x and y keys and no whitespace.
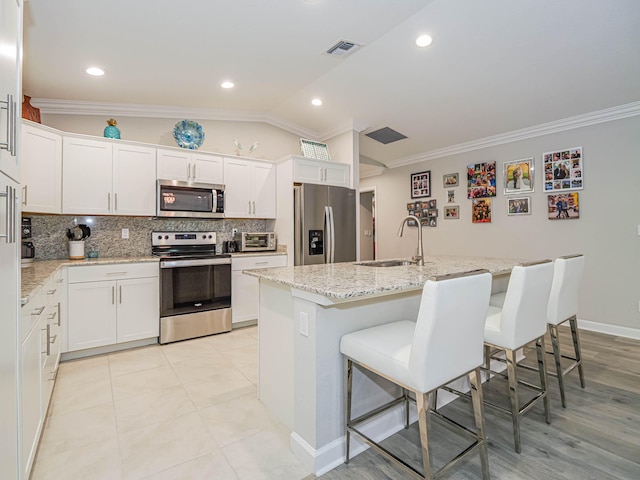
{"x":194,"y":262}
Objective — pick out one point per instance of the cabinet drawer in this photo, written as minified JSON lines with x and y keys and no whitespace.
{"x":98,"y":273}
{"x":251,"y":263}
{"x":31,"y":313}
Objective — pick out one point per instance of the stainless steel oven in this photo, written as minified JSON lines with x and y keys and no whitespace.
{"x":195,"y":285}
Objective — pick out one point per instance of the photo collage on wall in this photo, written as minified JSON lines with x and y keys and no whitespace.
{"x":481,"y":184}
{"x":426,"y":211}
{"x":563,"y":170}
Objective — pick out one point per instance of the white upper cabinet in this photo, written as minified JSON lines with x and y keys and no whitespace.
{"x":10,"y":86}
{"x":320,"y":172}
{"x":103,"y":178}
{"x":190,"y":166}
{"x":41,"y":166}
{"x":250,"y":189}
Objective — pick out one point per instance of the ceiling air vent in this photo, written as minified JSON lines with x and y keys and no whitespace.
{"x":386,"y":135}
{"x":343,"y":48}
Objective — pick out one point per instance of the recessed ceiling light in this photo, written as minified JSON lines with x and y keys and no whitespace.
{"x":227,"y":84}
{"x":424,"y":40}
{"x":95,"y":71}
{"x":316,"y":101}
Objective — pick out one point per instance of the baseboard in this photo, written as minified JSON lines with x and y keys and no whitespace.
{"x":609,"y":329}
{"x":89,"y":352}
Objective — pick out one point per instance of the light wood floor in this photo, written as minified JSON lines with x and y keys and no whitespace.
{"x":596,"y":437}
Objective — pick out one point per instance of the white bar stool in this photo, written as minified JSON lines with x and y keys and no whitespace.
{"x":563,"y":307}
{"x":520,"y":320}
{"x":445,"y":343}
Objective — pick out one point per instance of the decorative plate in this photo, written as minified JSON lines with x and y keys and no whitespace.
{"x":188,"y":134}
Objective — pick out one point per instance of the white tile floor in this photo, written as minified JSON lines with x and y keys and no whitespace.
{"x":186,"y":410}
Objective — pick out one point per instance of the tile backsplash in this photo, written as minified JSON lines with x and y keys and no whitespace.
{"x":50,"y":239}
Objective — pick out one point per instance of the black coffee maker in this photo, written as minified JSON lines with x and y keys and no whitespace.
{"x":28,"y":249}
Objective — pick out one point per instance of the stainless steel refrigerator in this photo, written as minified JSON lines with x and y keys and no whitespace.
{"x":325,"y":224}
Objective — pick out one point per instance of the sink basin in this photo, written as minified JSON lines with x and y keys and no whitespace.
{"x":388,"y":263}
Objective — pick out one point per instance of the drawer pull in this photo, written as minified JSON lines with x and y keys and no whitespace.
{"x":60,"y":280}
{"x":53,"y":315}
{"x":51,"y":292}
{"x":116,"y":273}
{"x":262,"y":263}
{"x":37,"y":311}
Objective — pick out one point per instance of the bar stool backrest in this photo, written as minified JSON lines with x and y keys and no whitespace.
{"x":524,"y":313}
{"x":449,"y":334}
{"x":563,"y":300}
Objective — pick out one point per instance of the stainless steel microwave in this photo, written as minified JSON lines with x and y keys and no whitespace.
{"x":183,"y":199}
{"x":255,"y":241}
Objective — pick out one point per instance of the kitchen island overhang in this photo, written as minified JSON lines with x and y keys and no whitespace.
{"x":305,"y":310}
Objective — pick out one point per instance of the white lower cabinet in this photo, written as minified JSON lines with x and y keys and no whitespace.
{"x":40,"y":324}
{"x":245,"y":292}
{"x":111,"y":304}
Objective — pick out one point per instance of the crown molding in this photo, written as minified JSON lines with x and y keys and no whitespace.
{"x":351,"y":126}
{"x":570,"y":123}
{"x":78,"y":107}
{"x":372,"y":172}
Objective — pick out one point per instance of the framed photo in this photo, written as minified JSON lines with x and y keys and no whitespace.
{"x":451,"y":212}
{"x":432,"y":213}
{"x":433,"y":203}
{"x":421,"y":184}
{"x":433,"y":222}
{"x":563,"y":206}
{"x":481,"y":180}
{"x":563,"y":170}
{"x":450,"y":180}
{"x":451,"y":196}
{"x":424,"y":222}
{"x":519,"y":206}
{"x":518,"y":176}
{"x":481,"y":210}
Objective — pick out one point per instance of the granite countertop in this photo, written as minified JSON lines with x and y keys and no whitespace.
{"x":35,"y":274}
{"x":344,"y":281}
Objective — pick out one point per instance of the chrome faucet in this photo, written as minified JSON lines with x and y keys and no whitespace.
{"x":420,"y":256}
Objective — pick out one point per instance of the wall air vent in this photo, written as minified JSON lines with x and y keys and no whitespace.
{"x":343,"y":48}
{"x":386,"y":135}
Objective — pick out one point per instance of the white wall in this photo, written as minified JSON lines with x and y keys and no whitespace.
{"x":607,"y":231}
{"x":274,"y":142}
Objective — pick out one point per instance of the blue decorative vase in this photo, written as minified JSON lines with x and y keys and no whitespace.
{"x":111,"y":131}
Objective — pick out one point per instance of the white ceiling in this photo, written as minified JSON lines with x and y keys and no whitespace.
{"x":495,"y":66}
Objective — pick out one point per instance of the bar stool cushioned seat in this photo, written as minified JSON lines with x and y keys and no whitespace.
{"x":445,"y":343}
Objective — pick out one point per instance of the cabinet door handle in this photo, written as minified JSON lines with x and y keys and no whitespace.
{"x":10,"y":107}
{"x":113,"y":295}
{"x":120,"y":286}
{"x":48,"y":339}
{"x":194,"y":171}
{"x":9,"y":223}
{"x":24,"y":195}
{"x":249,"y":202}
{"x":108,"y":202}
{"x":115,"y":200}
{"x":59,"y":324}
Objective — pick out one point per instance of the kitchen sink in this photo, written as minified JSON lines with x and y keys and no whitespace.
{"x":387,"y":263}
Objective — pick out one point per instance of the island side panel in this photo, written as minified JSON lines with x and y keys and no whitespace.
{"x":318,"y":433}
{"x":276,"y":354}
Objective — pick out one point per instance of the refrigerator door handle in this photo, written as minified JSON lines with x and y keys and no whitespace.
{"x":331,"y":251}
{"x":327,"y":235}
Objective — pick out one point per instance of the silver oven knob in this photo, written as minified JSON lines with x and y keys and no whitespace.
{"x":166,"y":237}
{"x":159,"y":237}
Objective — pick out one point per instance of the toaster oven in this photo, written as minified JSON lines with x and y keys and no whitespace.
{"x":255,"y":241}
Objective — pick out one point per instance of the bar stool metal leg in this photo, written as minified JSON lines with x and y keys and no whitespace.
{"x":573,"y":322}
{"x":405,"y":394}
{"x":555,"y":342}
{"x":542,"y":368}
{"x":513,"y":395}
{"x":423,"y":403}
{"x":348,"y":364}
{"x":478,"y":413}
{"x":487,"y":361}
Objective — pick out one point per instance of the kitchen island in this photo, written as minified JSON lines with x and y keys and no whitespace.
{"x":304,"y":311}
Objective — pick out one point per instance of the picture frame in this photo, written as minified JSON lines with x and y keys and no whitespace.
{"x":563,"y":206}
{"x":450,"y":180}
{"x":451,"y":196}
{"x":451,"y":212}
{"x":432,"y":213}
{"x":481,"y":180}
{"x":433,"y":222}
{"x":432,"y":204}
{"x":421,"y":184}
{"x":563,"y":170}
{"x":519,"y":206}
{"x":481,"y":210}
{"x":518,"y":176}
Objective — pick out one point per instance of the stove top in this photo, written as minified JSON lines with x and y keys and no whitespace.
{"x":185,"y":245}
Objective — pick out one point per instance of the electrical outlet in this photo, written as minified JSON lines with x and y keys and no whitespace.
{"x":234,"y":231}
{"x":304,"y":324}
{"x":125,"y":233}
